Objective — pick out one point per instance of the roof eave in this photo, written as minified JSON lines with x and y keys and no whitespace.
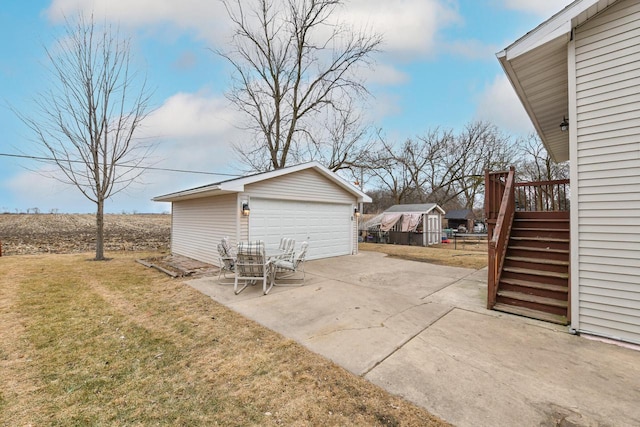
{"x":190,"y":194}
{"x":238,"y":185}
{"x":551,"y":35}
{"x":517,"y":86}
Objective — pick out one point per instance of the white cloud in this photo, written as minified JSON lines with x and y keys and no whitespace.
{"x":204,"y":17}
{"x":195,"y":132}
{"x":383,"y":106}
{"x":472,"y":49}
{"x":543,"y":8}
{"x":384,"y":74}
{"x":191,"y":116}
{"x":409,"y":27}
{"x":500,"y":105}
{"x":33,"y":189}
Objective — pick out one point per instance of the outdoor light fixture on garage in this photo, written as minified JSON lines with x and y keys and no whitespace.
{"x":245,"y":208}
{"x":564,"y":125}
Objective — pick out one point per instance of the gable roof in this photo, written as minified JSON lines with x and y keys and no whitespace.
{"x":536,"y":65}
{"x":460,"y":214}
{"x":237,"y":185}
{"x":418,"y":207}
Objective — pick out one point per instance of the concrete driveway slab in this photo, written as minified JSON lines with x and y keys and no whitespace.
{"x":478,"y":370}
{"x":354,"y":326}
{"x":422,"y":331}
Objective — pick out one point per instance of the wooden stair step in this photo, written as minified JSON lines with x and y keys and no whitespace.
{"x":536,"y":272}
{"x":550,"y":230}
{"x":533,"y":298}
{"x":534,"y":314}
{"x":538,"y":260}
{"x":535,"y":285}
{"x":541,"y":219}
{"x":542,"y":215}
{"x":541,"y":239}
{"x":527,"y":248}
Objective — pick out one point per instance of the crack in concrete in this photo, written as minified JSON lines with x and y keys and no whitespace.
{"x":403,"y":343}
{"x":382,"y":323}
{"x":450,"y":284}
{"x":404,"y":311}
{"x":364,"y":328}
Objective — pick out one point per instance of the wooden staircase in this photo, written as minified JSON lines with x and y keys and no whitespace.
{"x":528,"y":254}
{"x":535,"y":273}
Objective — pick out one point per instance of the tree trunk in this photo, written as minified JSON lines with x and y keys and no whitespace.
{"x":100,"y":231}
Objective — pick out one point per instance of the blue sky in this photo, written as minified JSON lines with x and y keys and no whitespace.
{"x":437,"y":68}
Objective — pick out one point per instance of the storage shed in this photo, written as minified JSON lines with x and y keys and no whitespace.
{"x":578,"y":77}
{"x":307,"y":202}
{"x":413,"y":224}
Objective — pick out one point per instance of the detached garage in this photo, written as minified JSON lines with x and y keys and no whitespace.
{"x":307,"y":202}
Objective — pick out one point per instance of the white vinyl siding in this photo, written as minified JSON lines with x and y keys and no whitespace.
{"x":305,"y":185}
{"x":199,"y":225}
{"x":607,"y":60}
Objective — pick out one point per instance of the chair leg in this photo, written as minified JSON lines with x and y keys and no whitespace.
{"x":235,"y":286}
{"x":270,"y":276}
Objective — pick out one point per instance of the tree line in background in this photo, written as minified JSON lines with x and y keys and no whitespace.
{"x":447,"y":167}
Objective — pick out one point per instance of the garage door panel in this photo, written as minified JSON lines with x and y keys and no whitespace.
{"x":327,"y":227}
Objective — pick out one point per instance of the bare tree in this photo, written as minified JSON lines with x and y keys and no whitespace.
{"x":536,"y":163}
{"x":86,"y":121}
{"x":441,"y":166}
{"x":292,"y":62}
{"x":389,"y":167}
{"x":341,"y":142}
{"x":479,"y":146}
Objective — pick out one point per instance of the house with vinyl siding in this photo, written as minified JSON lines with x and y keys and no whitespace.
{"x":307,"y":202}
{"x":582,"y":68}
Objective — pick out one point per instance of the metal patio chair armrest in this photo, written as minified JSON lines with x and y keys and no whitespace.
{"x":288,"y":268}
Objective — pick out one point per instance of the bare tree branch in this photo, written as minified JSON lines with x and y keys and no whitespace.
{"x":292,"y":62}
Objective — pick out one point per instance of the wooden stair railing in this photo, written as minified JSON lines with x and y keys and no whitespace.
{"x":543,"y":196}
{"x":498,"y":186}
{"x":529,"y":247}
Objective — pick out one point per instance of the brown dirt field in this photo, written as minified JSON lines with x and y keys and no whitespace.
{"x":22,"y":234}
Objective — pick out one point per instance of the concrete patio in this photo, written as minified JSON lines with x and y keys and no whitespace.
{"x":422,"y":331}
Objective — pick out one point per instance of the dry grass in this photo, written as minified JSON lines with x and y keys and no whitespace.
{"x":438,"y":254}
{"x":114,"y":343}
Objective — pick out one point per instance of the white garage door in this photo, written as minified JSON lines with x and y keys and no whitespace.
{"x":327,"y":227}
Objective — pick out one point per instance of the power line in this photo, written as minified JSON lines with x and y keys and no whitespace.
{"x":48,"y":159}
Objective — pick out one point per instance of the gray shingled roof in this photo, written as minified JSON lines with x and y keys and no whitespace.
{"x":459,"y":214}
{"x":418,"y":207}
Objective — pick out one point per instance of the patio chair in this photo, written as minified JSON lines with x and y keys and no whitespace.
{"x":287,"y":246}
{"x":231,"y":252}
{"x":251,"y":266}
{"x":226,"y":262}
{"x":290,"y":268}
